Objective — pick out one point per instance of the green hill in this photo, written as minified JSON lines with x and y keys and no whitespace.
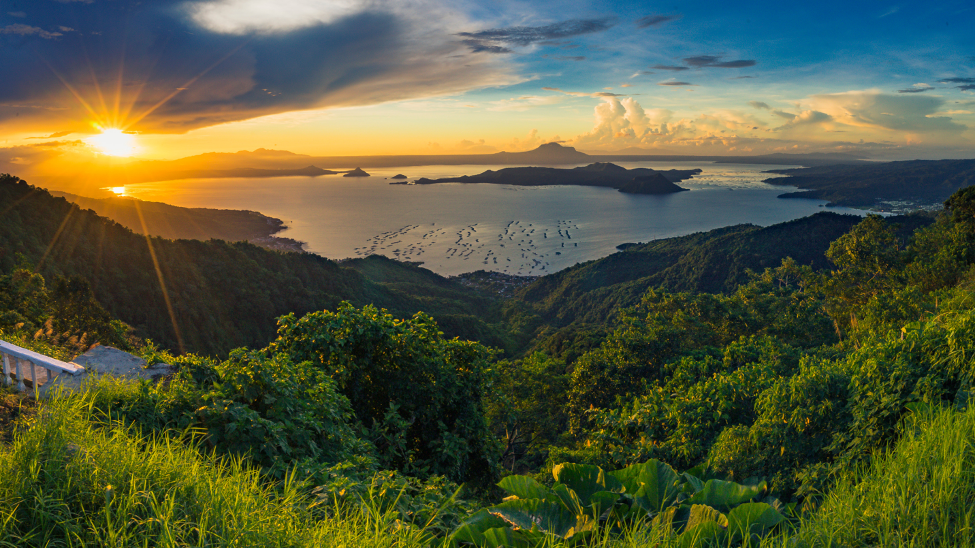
{"x":212,"y":296}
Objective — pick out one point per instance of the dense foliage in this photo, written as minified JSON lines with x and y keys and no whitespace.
{"x":418,"y":393}
{"x":795,"y":375}
{"x":569,"y":311}
{"x":787,"y":378}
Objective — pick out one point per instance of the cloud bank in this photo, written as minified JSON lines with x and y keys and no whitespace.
{"x":176,"y":65}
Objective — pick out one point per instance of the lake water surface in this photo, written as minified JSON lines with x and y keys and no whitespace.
{"x":456,"y":228}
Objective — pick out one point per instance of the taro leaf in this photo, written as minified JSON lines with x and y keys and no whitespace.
{"x":507,"y":537}
{"x":569,"y":499}
{"x":602,"y":502}
{"x":585,"y":480}
{"x":528,"y":514}
{"x":525,"y":487}
{"x":654,"y":484}
{"x":666,"y":517}
{"x":752,"y":519}
{"x":706,"y":533}
{"x":724,"y":495}
{"x":700,"y":513}
{"x":472,"y":529}
{"x":692,"y":484}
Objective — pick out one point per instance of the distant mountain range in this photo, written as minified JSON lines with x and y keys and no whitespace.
{"x":263,"y":163}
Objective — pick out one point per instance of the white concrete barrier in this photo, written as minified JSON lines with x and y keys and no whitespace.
{"x":23,"y":364}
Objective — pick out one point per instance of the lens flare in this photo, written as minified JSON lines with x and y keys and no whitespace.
{"x":114,"y":142}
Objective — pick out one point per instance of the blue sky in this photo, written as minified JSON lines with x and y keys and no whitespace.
{"x":877,"y":79}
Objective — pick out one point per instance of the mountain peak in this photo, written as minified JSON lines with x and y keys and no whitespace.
{"x":554,"y":147}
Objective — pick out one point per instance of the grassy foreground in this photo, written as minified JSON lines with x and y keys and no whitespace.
{"x":68,"y":482}
{"x":919,"y":494}
{"x":72,"y":480}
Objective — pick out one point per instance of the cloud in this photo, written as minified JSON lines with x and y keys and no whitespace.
{"x":481,"y":41}
{"x":875,"y":110}
{"x":183,"y":67}
{"x":582,"y":94}
{"x":16,"y":14}
{"x":622,"y":123}
{"x":54,"y":135}
{"x":700,"y":61}
{"x":522,"y":103}
{"x":19,"y":29}
{"x":655,"y":20}
{"x":670,"y":68}
{"x":759,"y":105}
{"x":805,"y":118}
{"x":474,"y":147}
{"x":964,"y":83}
{"x":566,"y":57}
{"x":675,"y":83}
{"x":890,"y":11}
{"x":917,"y":88}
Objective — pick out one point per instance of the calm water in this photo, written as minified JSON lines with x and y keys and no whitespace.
{"x":456,"y":228}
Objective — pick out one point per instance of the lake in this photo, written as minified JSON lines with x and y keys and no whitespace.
{"x":456,"y":228}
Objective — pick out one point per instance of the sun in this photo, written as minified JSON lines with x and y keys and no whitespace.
{"x":114,"y":142}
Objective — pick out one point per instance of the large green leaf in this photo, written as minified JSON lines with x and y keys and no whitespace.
{"x":706,"y":533}
{"x":507,"y":537}
{"x":525,"y":487}
{"x":752,"y":519}
{"x":700,"y":513}
{"x":568,"y":497}
{"x":692,"y":484}
{"x":602,"y":502}
{"x":654,"y":484}
{"x":472,"y":529}
{"x":529,"y":514}
{"x":724,"y":495}
{"x":585,"y":480}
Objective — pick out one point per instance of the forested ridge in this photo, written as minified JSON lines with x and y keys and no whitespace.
{"x":736,"y":387}
{"x":220,"y":295}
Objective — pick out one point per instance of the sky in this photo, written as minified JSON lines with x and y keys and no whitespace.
{"x":174,"y":78}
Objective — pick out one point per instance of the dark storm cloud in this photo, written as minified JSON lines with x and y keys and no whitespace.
{"x":916,"y":89}
{"x":670,"y":68}
{"x":655,"y":20}
{"x":479,"y":46}
{"x":566,"y":57}
{"x":964,"y":83}
{"x":171,"y":74}
{"x":482,"y":41}
{"x":699,"y":61}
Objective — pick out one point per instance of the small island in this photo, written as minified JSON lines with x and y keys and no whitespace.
{"x":643,"y":181}
{"x":399,"y":177}
{"x":357,"y":173}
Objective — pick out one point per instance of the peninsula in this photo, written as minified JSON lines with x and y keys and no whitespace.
{"x":599,"y":174}
{"x":175,"y":222}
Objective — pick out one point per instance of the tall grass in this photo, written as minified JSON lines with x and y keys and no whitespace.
{"x":918,"y":494}
{"x":68,"y":482}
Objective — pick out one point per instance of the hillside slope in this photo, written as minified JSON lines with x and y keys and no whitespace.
{"x":207,"y":296}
